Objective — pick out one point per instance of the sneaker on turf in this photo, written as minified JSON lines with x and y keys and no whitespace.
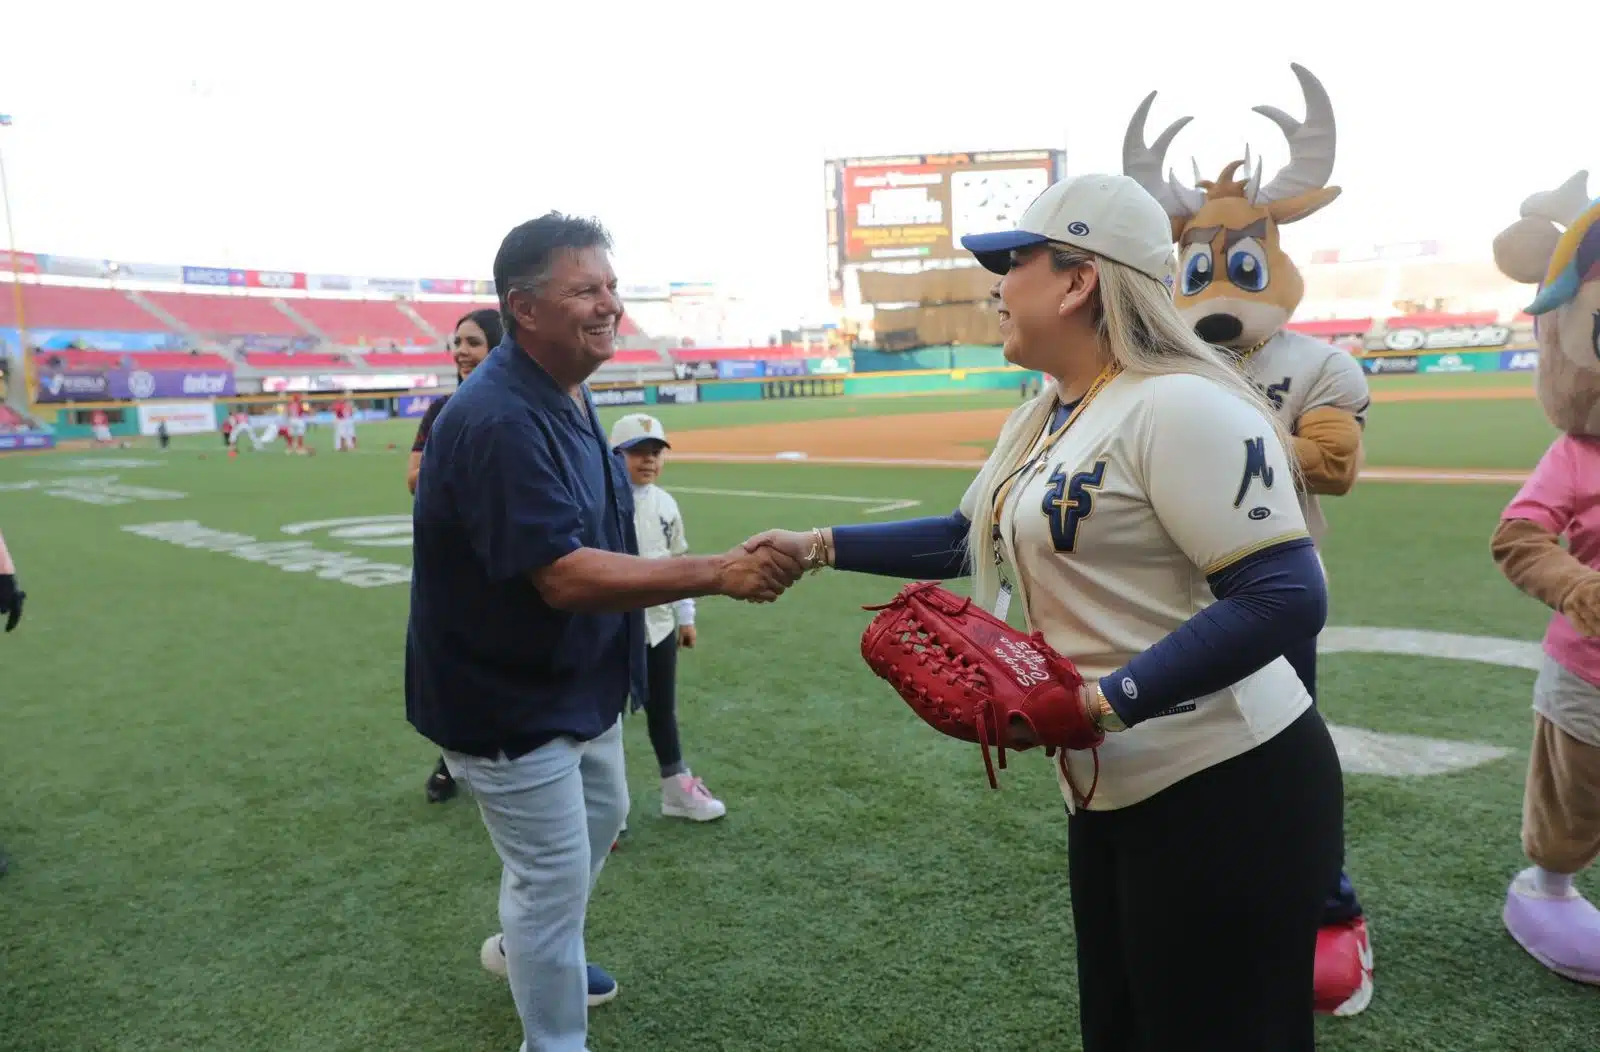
{"x":602,"y":987}
{"x":685,"y":796}
{"x":1343,"y":977}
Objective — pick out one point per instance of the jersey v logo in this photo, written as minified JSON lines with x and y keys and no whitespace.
{"x":1069,"y":502}
{"x":1255,"y":467}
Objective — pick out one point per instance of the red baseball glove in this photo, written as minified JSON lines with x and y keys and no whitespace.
{"x":968,"y":674}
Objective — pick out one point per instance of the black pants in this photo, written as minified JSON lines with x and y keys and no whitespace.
{"x":1342,"y":904}
{"x":1197,"y":910}
{"x":661,"y":710}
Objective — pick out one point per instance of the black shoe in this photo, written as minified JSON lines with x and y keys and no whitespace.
{"x":441,"y":786}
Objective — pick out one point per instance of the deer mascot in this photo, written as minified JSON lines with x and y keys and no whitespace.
{"x":1239,"y":289}
{"x":1561,"y":801}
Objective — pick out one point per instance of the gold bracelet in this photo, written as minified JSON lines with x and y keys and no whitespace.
{"x":817,"y":557}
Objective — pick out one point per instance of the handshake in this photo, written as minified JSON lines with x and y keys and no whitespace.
{"x":768,"y":564}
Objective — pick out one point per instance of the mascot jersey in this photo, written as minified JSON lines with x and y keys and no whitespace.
{"x":1238,"y":289}
{"x":1544,"y":911}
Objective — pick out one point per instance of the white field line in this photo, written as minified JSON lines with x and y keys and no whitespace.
{"x":879,"y":504}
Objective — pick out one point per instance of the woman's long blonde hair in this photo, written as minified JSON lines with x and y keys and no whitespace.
{"x":1141,"y":330}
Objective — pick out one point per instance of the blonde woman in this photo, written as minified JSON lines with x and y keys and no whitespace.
{"x":1141,"y":513}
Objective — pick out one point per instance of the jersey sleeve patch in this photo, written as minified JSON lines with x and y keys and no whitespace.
{"x":1216,"y":474}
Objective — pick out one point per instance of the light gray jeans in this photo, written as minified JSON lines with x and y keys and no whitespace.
{"x":552,"y":815}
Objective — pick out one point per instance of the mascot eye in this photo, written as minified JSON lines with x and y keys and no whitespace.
{"x":1196,"y":269}
{"x":1247,"y":265}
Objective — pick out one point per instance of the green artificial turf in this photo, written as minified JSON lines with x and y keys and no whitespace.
{"x":219,"y":839}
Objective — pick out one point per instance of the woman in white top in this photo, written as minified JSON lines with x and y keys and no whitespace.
{"x":1141,"y":513}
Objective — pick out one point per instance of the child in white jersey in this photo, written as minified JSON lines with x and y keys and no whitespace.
{"x":659,"y":524}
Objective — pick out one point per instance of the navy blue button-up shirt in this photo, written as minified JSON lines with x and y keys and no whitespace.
{"x":515,"y":476}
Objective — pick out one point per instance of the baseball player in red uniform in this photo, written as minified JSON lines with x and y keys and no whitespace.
{"x":344,"y":424}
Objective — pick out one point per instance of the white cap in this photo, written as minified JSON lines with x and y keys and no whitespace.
{"x":635,"y":428}
{"x":1109,"y":215}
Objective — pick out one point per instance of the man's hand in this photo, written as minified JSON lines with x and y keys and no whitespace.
{"x":686,"y":637}
{"x":758,"y":576}
{"x":11,"y":598}
{"x":1582,"y":606}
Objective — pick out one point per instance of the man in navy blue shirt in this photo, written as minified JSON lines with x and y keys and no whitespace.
{"x":526,"y":634}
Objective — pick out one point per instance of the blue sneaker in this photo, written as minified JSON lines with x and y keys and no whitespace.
{"x":602,"y":987}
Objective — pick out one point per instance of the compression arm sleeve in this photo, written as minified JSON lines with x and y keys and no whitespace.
{"x":1265,"y":604}
{"x":930,"y":549}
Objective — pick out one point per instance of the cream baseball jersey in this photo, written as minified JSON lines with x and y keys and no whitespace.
{"x":1297,"y":374}
{"x":659,"y":524}
{"x":1108,"y":539}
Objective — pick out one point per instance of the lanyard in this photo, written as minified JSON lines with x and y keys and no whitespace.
{"x":1036,"y":457}
{"x":1046,"y":440}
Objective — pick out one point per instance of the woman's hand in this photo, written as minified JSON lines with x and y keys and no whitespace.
{"x":803,"y":547}
{"x":686,"y":637}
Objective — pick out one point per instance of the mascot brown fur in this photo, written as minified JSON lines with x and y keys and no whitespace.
{"x":1561,"y":499}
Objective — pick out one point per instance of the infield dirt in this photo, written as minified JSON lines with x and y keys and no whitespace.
{"x":951,"y":439}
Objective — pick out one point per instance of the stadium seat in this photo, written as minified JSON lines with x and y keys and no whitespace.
{"x":374,"y":323}
{"x":223,"y":317}
{"x":71,"y":307}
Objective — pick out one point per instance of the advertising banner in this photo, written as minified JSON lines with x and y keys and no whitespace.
{"x":349,"y":382}
{"x":11,"y":441}
{"x":155,"y":272}
{"x":695,"y":370}
{"x":1453,"y":337}
{"x":74,"y":266}
{"x":213,"y":276}
{"x":619,"y":396}
{"x":677,"y":394}
{"x":395,"y":286}
{"x":413,"y":406}
{"x":329,"y":282}
{"x":786,"y":367}
{"x":1391,"y":364}
{"x":274,"y":279}
{"x":448,"y":286}
{"x":1458,"y":363}
{"x":1519,"y":361}
{"x":740,"y":370}
{"x":920,"y":206}
{"x":808,"y":388}
{"x":89,"y":385}
{"x":829,"y":366}
{"x":64,"y":339}
{"x":181,"y":418}
{"x":19,"y":262}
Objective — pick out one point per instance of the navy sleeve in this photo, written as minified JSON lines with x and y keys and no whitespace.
{"x":516,"y":507}
{"x":931,"y":549}
{"x":1267,"y":604}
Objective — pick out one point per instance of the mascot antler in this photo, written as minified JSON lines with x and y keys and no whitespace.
{"x":1311,"y":153}
{"x":1561,"y":205}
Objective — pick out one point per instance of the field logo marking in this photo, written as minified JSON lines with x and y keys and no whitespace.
{"x":93,"y":489}
{"x":101,"y":463}
{"x":363,"y":531}
{"x":880,"y":505}
{"x":288,"y":556}
{"x":1408,"y":755}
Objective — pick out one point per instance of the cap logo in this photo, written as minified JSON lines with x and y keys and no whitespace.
{"x":648,"y":424}
{"x":1077,"y":228}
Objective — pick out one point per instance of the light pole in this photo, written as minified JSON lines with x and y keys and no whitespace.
{"x":16,"y":282}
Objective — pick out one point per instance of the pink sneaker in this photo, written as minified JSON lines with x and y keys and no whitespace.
{"x":1562,"y":933}
{"x":685,"y":796}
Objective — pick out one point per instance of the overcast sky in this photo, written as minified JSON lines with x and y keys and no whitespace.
{"x":400,"y":139}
